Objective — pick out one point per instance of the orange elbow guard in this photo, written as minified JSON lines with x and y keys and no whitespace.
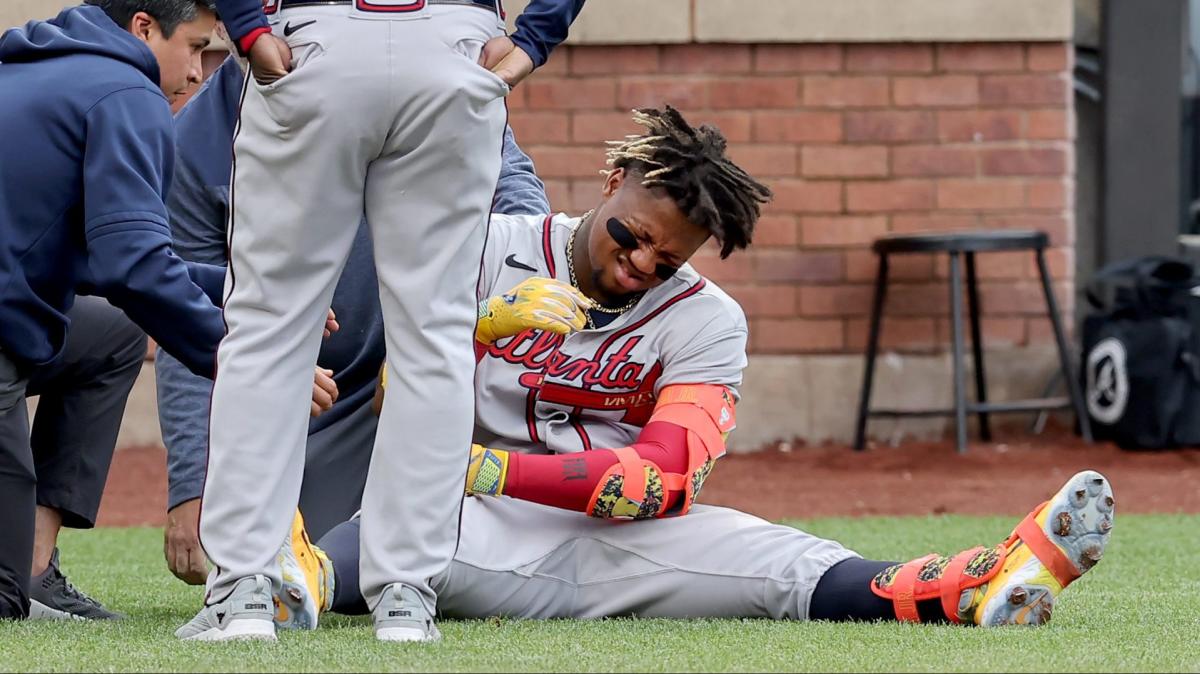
{"x":635,"y":488}
{"x":707,"y":411}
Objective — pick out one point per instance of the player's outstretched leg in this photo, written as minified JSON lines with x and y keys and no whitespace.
{"x":307,"y":589}
{"x":1016,"y":582}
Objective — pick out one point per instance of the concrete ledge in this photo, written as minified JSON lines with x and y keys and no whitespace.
{"x":675,"y":21}
{"x":17,"y":12}
{"x":809,"y":399}
{"x":624,"y":21}
{"x":814,"y":399}
{"x":882,"y":20}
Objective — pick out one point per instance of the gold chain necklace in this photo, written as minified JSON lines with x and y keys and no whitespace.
{"x":575,"y":282}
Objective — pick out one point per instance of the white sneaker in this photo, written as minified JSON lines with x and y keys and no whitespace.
{"x":401,"y":616}
{"x":245,"y":614}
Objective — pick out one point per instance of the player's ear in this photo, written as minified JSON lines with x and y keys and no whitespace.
{"x":613,"y":182}
{"x":142,"y":25}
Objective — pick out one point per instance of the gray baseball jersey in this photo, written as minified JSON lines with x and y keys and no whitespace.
{"x":594,"y":389}
{"x":385,"y":113}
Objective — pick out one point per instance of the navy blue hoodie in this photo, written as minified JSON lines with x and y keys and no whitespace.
{"x":86,"y":158}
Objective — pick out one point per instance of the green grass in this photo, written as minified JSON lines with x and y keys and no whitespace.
{"x":1136,"y":611}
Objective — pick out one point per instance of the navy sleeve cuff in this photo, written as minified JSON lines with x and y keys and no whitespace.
{"x":241,"y":17}
{"x":535,"y":50}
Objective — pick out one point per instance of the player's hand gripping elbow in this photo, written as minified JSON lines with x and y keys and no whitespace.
{"x":538,"y":303}
{"x":181,"y":543}
{"x":325,"y":392}
{"x":501,"y":56}
{"x":270,"y":59}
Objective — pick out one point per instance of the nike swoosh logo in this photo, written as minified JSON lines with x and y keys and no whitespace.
{"x":511,"y":261}
{"x":288,"y":28}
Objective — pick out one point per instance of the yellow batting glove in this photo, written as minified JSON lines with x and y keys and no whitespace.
{"x":486,"y":472}
{"x":537,"y":302}
{"x":380,"y":385}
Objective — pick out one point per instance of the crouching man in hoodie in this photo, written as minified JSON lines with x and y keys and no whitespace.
{"x":85,"y":163}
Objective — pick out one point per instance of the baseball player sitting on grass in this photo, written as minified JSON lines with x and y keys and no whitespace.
{"x":606,"y":384}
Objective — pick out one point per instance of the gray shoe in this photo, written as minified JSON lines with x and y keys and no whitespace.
{"x":53,"y":597}
{"x":247,"y":613}
{"x":401,"y":616}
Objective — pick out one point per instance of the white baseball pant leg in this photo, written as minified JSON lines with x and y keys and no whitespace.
{"x":527,"y":560}
{"x":305,"y":157}
{"x":428,"y":202}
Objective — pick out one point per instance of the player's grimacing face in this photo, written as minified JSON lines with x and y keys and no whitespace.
{"x":638,"y":237}
{"x":179,"y":64}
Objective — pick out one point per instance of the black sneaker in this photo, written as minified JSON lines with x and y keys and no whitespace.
{"x":53,"y":597}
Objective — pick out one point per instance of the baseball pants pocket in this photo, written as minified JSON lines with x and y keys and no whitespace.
{"x":470,"y":48}
{"x":505,"y":89}
{"x":293,"y":100}
{"x":302,"y":55}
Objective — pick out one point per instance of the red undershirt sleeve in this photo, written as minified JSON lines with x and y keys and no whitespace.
{"x":568,"y":480}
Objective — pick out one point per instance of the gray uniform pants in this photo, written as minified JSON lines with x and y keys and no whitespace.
{"x":526,"y":560}
{"x":387,"y":114}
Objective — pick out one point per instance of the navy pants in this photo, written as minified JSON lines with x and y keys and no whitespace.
{"x":62,"y":463}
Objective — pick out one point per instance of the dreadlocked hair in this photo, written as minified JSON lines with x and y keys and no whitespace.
{"x":691,"y":166}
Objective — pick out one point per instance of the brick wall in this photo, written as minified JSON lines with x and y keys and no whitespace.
{"x":856,"y":140}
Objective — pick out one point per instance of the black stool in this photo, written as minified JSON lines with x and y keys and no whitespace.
{"x":958,"y":245}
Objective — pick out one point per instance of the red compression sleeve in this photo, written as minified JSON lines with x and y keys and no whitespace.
{"x":568,"y":480}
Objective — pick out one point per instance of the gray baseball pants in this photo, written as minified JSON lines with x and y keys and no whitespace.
{"x":521,"y":559}
{"x":387,"y":115}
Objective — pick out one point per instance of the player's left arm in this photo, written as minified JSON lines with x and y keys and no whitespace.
{"x":662,"y":471}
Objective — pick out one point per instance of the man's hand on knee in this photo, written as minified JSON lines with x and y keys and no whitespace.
{"x":181,"y":543}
